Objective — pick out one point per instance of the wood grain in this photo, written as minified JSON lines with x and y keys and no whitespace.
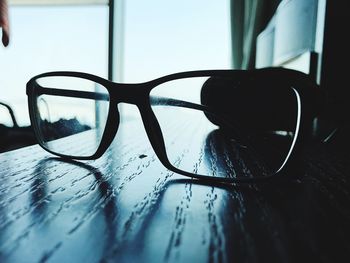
{"x":127,"y":207}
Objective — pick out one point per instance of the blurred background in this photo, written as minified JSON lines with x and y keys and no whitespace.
{"x":135,"y":41}
{"x":153,"y":38}
{"x":126,"y":41}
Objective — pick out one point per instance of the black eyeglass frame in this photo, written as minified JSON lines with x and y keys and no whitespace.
{"x":139,"y":94}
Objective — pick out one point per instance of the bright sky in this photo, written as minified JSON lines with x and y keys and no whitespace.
{"x":47,"y":39}
{"x":161,"y":37}
{"x":164,"y":37}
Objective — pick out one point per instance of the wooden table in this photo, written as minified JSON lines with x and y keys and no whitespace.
{"x":126,"y":207}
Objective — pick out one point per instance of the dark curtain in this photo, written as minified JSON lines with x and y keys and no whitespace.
{"x":248,"y":19}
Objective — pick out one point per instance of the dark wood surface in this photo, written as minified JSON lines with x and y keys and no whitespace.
{"x":126,"y":207}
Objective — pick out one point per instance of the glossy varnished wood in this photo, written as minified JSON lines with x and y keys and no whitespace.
{"x":126,"y":207}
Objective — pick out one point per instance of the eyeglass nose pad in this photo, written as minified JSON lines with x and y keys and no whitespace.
{"x":154,"y":134}
{"x":110,"y":131}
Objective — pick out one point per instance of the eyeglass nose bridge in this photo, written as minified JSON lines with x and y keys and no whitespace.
{"x":138,"y":95}
{"x":129,"y":93}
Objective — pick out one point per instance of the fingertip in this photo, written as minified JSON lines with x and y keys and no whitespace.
{"x":5,"y":39}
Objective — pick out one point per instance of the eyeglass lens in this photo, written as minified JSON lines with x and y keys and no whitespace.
{"x":247,"y":130}
{"x":70,"y":119}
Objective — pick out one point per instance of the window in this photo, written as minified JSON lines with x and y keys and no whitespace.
{"x":163,"y":37}
{"x":154,"y":38}
{"x":49,"y":37}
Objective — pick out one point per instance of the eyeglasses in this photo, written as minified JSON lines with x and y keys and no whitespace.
{"x":219,"y":125}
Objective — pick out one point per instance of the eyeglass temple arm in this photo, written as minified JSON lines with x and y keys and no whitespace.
{"x":154,"y":100}
{"x":72,"y":93}
{"x":11,"y":114}
{"x":161,"y":101}
{"x":222,"y":120}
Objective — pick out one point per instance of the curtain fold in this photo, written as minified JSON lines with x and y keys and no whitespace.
{"x":248,"y":19}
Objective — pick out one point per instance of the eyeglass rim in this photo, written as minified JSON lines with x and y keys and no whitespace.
{"x":112,"y":122}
